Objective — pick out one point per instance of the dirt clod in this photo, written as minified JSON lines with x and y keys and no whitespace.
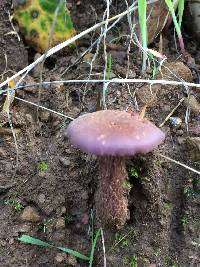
{"x":30,"y":214}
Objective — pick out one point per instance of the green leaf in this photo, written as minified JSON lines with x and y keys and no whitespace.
{"x":93,"y":247}
{"x":181,"y":4}
{"x":170,"y":5}
{"x":34,"y":241}
{"x":109,"y":66}
{"x":142,"y":11}
{"x":74,"y":253}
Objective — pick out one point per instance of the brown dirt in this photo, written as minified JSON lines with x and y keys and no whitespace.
{"x":164,"y":200}
{"x":13,"y":55}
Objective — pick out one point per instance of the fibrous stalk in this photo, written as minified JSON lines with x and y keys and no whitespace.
{"x":111,"y":201}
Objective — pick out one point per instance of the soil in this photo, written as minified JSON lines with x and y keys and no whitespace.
{"x":57,"y":182}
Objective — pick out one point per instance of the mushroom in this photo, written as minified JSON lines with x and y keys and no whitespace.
{"x":112,"y":135}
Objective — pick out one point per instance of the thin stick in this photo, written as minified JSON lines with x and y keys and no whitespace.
{"x":181,"y":164}
{"x":104,"y":249}
{"x":115,"y":80}
{"x":68,"y":42}
{"x":16,"y":145}
{"x":49,"y":45}
{"x":172,"y":112}
{"x":38,"y":106}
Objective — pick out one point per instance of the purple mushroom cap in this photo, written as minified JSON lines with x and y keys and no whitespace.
{"x":115,"y":133}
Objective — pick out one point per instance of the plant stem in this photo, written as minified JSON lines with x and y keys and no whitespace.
{"x":111,"y":203}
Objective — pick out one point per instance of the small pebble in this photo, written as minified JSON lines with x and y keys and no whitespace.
{"x":60,"y":257}
{"x":11,"y":241}
{"x":71,"y":261}
{"x":60,"y":224}
{"x":180,"y":140}
{"x":65,"y":161}
{"x":193,"y":103}
{"x":175,"y":122}
{"x":63,"y":210}
{"x":44,"y":116}
{"x":24,"y":228}
{"x":41,"y":198}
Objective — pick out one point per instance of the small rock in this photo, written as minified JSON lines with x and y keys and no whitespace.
{"x":29,"y":118}
{"x":180,"y":140}
{"x":166,"y":108}
{"x":84,"y":195}
{"x":63,"y":210}
{"x":60,"y":224}
{"x":71,"y":261}
{"x":73,"y":60}
{"x":44,"y":116}
{"x":85,"y":219}
{"x":24,"y":228}
{"x":68,"y":151}
{"x":2,"y":152}
{"x":193,"y":104}
{"x":175,"y":68}
{"x":41,"y":198}
{"x":30,"y":214}
{"x":56,"y":123}
{"x":193,"y":144}
{"x":119,"y":56}
{"x":191,"y":229}
{"x":11,"y":241}
{"x":59,"y":235}
{"x":88,"y":57}
{"x":148,"y":94}
{"x":175,"y":122}
{"x":60,"y":257}
{"x":179,"y":132}
{"x":65,"y":161}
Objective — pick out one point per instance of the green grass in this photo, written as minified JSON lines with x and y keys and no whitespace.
{"x":184,"y":220}
{"x":35,"y":241}
{"x":134,"y":261}
{"x":142,"y":11}
{"x":131,"y":262}
{"x":15,"y":203}
{"x":134,"y":172}
{"x":109,"y":66}
{"x":43,"y":166}
{"x":121,"y":241}
{"x":177,"y":23}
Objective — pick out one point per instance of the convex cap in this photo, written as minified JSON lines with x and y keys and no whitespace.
{"x":114,"y":132}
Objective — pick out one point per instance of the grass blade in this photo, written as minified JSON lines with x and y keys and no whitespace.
{"x":93,"y":247}
{"x":181,"y":4}
{"x":74,"y":253}
{"x":142,"y":11}
{"x":109,"y":66}
{"x":170,"y":5}
{"x":34,"y":241}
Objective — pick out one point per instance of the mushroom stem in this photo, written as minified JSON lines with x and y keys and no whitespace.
{"x":111,"y":203}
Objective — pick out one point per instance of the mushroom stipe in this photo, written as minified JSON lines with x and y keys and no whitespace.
{"x":112,"y":135}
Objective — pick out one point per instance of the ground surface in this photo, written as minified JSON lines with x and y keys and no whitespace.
{"x":59,"y":182}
